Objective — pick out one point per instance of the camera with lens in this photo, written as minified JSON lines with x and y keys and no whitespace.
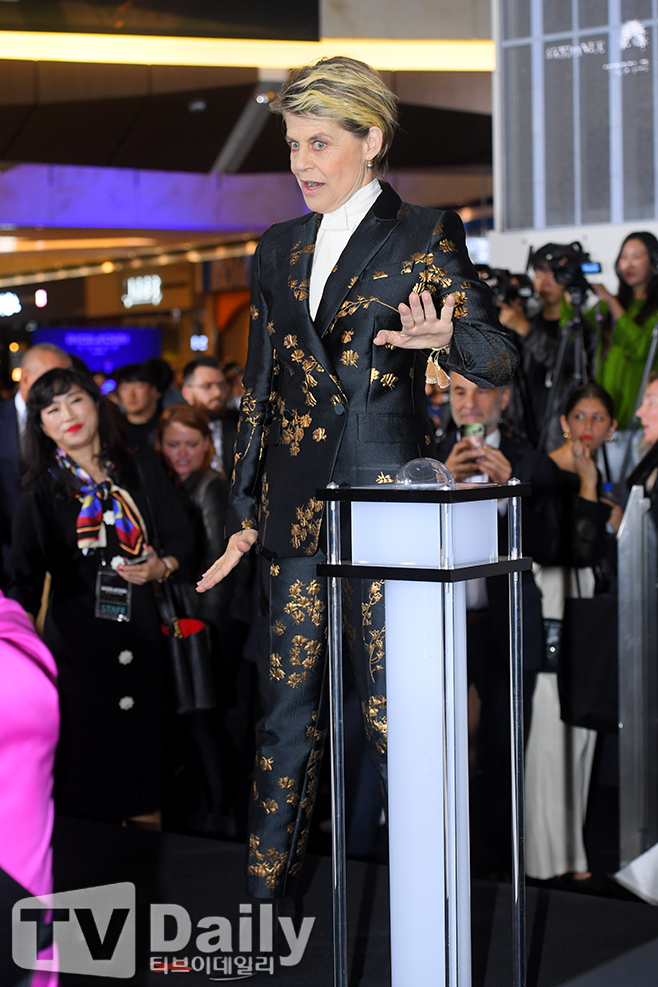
{"x":569,"y":264}
{"x":505,"y":286}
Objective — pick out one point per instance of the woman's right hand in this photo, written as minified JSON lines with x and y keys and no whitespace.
{"x":613,"y":303}
{"x":603,"y":293}
{"x":586,"y":469}
{"x":513,"y":317}
{"x":238,"y":545}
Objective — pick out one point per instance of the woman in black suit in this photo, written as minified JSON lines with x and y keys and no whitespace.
{"x":184,"y":444}
{"x":213,"y":741}
{"x":343,"y":316}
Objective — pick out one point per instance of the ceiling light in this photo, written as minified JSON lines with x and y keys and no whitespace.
{"x":80,"y":243}
{"x":9,"y":304}
{"x":393,"y":55}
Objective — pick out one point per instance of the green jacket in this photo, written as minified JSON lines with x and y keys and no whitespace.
{"x":621,"y":370}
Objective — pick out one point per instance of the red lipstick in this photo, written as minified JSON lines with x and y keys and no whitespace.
{"x":74,"y":428}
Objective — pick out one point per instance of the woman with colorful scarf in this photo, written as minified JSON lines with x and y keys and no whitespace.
{"x":85,"y":517}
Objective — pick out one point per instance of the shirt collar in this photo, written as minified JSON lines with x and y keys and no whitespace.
{"x":493,"y":439}
{"x":21,"y":410}
{"x":349,"y":215}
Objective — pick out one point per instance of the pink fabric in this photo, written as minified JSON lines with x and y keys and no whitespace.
{"x":29,"y":729}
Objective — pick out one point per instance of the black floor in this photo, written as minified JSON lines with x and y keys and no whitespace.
{"x":568,"y":934}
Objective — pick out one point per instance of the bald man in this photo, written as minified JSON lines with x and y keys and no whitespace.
{"x":13,"y":414}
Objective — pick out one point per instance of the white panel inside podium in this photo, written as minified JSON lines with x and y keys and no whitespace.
{"x":408,"y":534}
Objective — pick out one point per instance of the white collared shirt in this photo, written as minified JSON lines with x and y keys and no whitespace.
{"x":21,"y":413}
{"x":217,"y":432}
{"x":477,"y":597}
{"x":335,"y":231}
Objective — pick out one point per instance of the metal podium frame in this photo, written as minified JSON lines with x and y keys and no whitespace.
{"x":512,"y":565}
{"x":637,"y":574}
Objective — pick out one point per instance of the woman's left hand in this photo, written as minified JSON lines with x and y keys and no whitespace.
{"x":422,"y":329}
{"x":147,"y":572}
{"x":616,"y":514}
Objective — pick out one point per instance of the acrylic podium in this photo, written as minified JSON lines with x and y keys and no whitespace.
{"x":425,"y":543}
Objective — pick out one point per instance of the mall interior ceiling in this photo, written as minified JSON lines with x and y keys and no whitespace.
{"x":185,"y":119}
{"x":177,"y":118}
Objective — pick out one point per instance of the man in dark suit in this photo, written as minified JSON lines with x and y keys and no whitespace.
{"x":13,"y":414}
{"x":500,"y":458}
{"x":204,"y":384}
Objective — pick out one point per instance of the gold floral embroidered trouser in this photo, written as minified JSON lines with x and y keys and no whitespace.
{"x":294,"y":692}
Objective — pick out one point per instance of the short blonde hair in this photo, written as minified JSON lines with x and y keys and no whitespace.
{"x":345,"y":90}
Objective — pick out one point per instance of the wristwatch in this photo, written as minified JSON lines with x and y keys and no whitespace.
{"x":169,"y":570}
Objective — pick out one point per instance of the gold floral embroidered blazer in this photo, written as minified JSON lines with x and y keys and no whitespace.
{"x":322,"y":403}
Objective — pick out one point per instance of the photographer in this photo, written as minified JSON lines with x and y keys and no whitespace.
{"x":512,"y":293}
{"x":542,"y":341}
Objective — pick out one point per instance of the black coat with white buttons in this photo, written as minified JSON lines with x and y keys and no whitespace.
{"x":113,"y":759}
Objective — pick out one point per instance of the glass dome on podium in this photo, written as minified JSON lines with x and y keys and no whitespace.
{"x":425,"y":474}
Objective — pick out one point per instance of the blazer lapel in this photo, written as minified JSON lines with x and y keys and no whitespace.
{"x":369,"y":236}
{"x":299,"y":272}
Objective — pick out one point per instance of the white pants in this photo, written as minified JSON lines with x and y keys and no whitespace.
{"x":557,"y":776}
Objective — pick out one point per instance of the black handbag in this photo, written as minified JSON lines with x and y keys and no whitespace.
{"x":189,"y":652}
{"x":588,"y":663}
{"x":186,"y":637}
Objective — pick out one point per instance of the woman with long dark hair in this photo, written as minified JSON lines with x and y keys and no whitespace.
{"x":85,"y":516}
{"x":628,"y":319}
{"x":559,"y":757}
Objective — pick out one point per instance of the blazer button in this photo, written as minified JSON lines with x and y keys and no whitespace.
{"x":339,"y":409}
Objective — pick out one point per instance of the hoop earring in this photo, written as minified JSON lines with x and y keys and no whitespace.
{"x":567,"y":435}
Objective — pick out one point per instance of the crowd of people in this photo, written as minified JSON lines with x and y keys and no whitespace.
{"x":598,"y":373}
{"x":109,"y":504}
{"x":117,"y":497}
{"x":145,"y":474}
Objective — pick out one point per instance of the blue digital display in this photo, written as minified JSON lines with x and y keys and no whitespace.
{"x":103,"y":350}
